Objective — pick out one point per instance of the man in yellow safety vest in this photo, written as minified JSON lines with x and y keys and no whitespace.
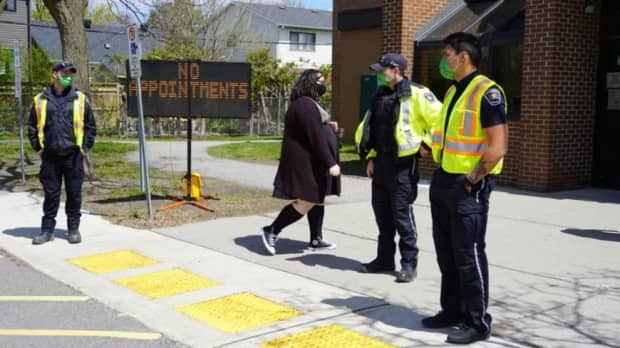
{"x":393,"y":134}
{"x":469,"y":143}
{"x":61,"y":129}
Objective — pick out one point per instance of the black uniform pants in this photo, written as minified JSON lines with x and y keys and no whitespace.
{"x":53,"y":169}
{"x":459,"y":228}
{"x":394,"y":189}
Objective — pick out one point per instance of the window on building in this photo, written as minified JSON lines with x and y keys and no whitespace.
{"x":503,"y":64}
{"x":506,"y":67}
{"x":499,"y":24}
{"x":302,"y":41}
{"x":11,"y":5}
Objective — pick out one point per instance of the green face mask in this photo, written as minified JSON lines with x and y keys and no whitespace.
{"x":445,"y":71}
{"x":65,"y":81}
{"x":382,"y":80}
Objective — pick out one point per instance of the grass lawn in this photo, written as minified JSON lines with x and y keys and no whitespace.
{"x":269,"y":153}
{"x":116,"y":196}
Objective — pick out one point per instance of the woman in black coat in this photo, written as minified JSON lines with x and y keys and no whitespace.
{"x":308,"y":163}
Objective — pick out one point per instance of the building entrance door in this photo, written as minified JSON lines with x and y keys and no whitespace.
{"x":606,"y":169}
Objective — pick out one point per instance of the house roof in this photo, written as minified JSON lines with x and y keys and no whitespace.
{"x":294,"y":17}
{"x":105,"y":43}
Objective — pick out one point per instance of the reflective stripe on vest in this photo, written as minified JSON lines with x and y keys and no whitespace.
{"x":79,"y":107}
{"x":460,"y":147}
{"x":406,"y":141}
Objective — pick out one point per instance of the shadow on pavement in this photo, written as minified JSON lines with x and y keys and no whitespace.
{"x":30,"y":232}
{"x":284,"y":245}
{"x":329,"y":261}
{"x":393,"y":315}
{"x":396,"y":316}
{"x":604,"y":235}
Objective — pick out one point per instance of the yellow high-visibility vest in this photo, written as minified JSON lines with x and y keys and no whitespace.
{"x":417,"y":115}
{"x":79,"y":107}
{"x":462,"y":147}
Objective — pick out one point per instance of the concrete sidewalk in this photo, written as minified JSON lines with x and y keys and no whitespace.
{"x":555,"y":267}
{"x":203,"y":297}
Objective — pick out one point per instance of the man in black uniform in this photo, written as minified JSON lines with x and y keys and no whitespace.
{"x":391,"y":137}
{"x":469,"y":143}
{"x":61,"y":129}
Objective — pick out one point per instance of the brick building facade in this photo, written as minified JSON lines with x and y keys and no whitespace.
{"x":546,"y":56}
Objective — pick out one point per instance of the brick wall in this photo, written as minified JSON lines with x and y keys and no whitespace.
{"x":553,"y":142}
{"x":402,"y":19}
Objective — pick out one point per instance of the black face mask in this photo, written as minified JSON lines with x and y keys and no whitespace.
{"x":321,"y":89}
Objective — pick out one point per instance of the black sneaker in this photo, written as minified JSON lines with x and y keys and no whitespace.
{"x":320,"y":244}
{"x":376,"y":266}
{"x":74,"y":237}
{"x":269,"y":239}
{"x":440,"y":320}
{"x":43,"y":237}
{"x":407,"y":274}
{"x":467,"y":335}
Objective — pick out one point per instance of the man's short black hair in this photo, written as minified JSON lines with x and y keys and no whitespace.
{"x":465,"y":42}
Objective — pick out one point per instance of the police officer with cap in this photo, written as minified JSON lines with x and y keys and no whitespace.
{"x":469,"y":143}
{"x":394,"y":131}
{"x":61,"y":130}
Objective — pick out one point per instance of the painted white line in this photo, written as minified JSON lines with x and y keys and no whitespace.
{"x":145,"y":336}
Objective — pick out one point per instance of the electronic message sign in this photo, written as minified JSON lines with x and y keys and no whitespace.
{"x":199,"y":89}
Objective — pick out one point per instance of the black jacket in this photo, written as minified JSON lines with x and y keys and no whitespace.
{"x":58,"y":129}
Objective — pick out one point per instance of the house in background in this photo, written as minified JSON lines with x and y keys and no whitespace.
{"x":107,"y":48}
{"x":291,"y":34}
{"x":14,"y":23}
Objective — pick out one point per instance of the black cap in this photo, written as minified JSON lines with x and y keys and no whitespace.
{"x":64,"y":66}
{"x":390,"y":60}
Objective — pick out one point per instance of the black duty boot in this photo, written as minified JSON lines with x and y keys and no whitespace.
{"x":441,"y":320}
{"x":43,"y":237}
{"x":407,"y":274}
{"x":467,"y":335}
{"x":74,"y":236}
{"x":376,"y":266}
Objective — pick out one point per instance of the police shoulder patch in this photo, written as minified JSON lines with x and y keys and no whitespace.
{"x":494,"y":97}
{"x":430,"y":97}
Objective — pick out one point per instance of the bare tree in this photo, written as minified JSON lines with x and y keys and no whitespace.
{"x":69,"y":16}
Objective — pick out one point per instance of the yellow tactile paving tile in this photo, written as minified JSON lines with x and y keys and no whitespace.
{"x":114,"y":261}
{"x":326,"y":337}
{"x":166,"y":283}
{"x":239,"y":312}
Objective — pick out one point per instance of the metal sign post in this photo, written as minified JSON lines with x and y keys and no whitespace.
{"x":136,"y":72}
{"x":20,"y":110}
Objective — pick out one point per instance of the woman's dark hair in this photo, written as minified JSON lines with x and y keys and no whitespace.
{"x":306,"y":85}
{"x":465,"y":42}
